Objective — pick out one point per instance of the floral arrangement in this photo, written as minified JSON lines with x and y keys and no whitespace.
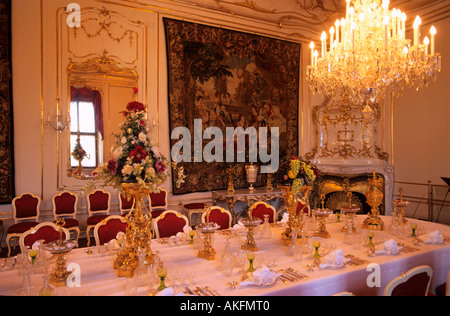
{"x":134,"y":158}
{"x":296,"y":173}
{"x":78,"y":152}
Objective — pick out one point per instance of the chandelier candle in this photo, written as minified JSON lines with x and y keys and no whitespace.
{"x":371,"y":53}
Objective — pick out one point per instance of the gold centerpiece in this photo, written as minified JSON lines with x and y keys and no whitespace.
{"x":399,"y":208}
{"x":207,"y":229}
{"x":295,"y":177}
{"x":136,"y":169}
{"x":350,"y":211}
{"x":374,"y":196}
{"x":138,"y":233}
{"x":250,"y":223}
{"x":60,"y":248}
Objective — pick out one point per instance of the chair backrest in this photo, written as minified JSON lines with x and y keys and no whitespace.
{"x":47,"y":231}
{"x":125,"y":205}
{"x":220,"y":216}
{"x":26,"y":207}
{"x":305,"y":208}
{"x":415,"y":282}
{"x":98,"y":201}
{"x":158,"y":200}
{"x":64,"y":204}
{"x":259,"y":209}
{"x":169,"y":223}
{"x":107,"y":229}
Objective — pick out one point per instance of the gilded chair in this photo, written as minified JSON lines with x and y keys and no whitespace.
{"x":107,"y":229}
{"x":169,"y":223}
{"x":125,"y":205}
{"x":98,"y":206}
{"x":415,"y":282}
{"x":157,"y":202}
{"x":26,"y":216}
{"x":47,"y":231}
{"x":220,"y":216}
{"x":65,"y":207}
{"x":260,"y":208}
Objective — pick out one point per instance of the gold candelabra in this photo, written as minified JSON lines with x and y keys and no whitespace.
{"x":295,"y":216}
{"x":250,"y":223}
{"x":207,"y":229}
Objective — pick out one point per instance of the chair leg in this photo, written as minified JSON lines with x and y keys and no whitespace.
{"x":88,"y":236}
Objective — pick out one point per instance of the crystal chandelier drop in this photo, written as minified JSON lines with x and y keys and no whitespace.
{"x":368,"y":53}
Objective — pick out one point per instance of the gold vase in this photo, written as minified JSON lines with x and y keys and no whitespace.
{"x":374,"y":196}
{"x":138,"y":233}
{"x":295,"y":218}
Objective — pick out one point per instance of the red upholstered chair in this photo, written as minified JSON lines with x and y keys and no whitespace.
{"x":47,"y":232}
{"x":220,"y":216}
{"x":26,"y":215}
{"x":157,"y":202}
{"x":65,"y":206}
{"x":415,"y":282}
{"x":169,"y":223}
{"x":125,"y":205}
{"x":259,"y":209}
{"x":107,"y":229}
{"x":98,"y":206}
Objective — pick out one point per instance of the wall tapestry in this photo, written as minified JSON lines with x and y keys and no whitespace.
{"x":6,"y":116}
{"x":226,"y":79}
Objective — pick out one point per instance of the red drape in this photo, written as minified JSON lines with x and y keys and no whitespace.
{"x":94,"y":96}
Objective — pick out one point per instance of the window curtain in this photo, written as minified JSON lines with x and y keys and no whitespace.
{"x":94,"y":96}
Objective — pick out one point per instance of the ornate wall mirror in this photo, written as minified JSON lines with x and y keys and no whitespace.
{"x":99,"y":88}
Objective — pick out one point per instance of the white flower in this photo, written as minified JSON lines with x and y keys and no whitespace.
{"x":117,"y":152}
{"x":127,"y":170}
{"x":124,"y":140}
{"x":142,"y":137}
{"x":156,"y":152}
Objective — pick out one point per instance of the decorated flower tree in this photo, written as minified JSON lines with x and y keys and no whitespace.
{"x":136,"y":169}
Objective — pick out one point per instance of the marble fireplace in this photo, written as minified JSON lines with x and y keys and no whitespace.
{"x":346,"y":149}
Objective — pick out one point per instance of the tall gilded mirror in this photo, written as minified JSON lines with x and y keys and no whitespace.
{"x":99,"y":89}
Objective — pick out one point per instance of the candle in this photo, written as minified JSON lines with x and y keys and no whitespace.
{"x":347,"y":12}
{"x":403,"y":17}
{"x":332,"y":31}
{"x":324,"y":44}
{"x":416,"y":26}
{"x":312,"y":53}
{"x":353,"y":33}
{"x":433,"y":35}
{"x":426,"y":42}
{"x":386,"y":31}
{"x":316,"y":55}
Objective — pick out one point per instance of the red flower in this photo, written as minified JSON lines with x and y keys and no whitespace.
{"x":135,"y":106}
{"x":112,"y":166}
{"x":135,"y":90}
{"x":160,"y":166}
{"x":138,"y":154}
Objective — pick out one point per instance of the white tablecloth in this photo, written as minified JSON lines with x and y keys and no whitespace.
{"x":99,"y":278}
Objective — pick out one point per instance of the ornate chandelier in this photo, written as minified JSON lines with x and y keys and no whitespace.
{"x":368,"y":53}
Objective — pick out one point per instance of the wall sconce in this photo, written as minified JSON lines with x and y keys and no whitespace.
{"x":58,"y":123}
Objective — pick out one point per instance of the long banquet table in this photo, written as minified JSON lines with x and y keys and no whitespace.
{"x":99,"y":278}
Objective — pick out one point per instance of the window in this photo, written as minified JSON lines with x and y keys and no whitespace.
{"x":82,"y":116}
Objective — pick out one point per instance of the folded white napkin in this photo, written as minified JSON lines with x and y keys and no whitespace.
{"x":389,"y":247}
{"x":36,"y":245}
{"x":187,"y":229}
{"x":285,"y":218}
{"x":262,"y":276}
{"x":169,"y":292}
{"x":434,"y":238}
{"x":121,"y":236}
{"x":334,"y":259}
{"x":238,"y":226}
